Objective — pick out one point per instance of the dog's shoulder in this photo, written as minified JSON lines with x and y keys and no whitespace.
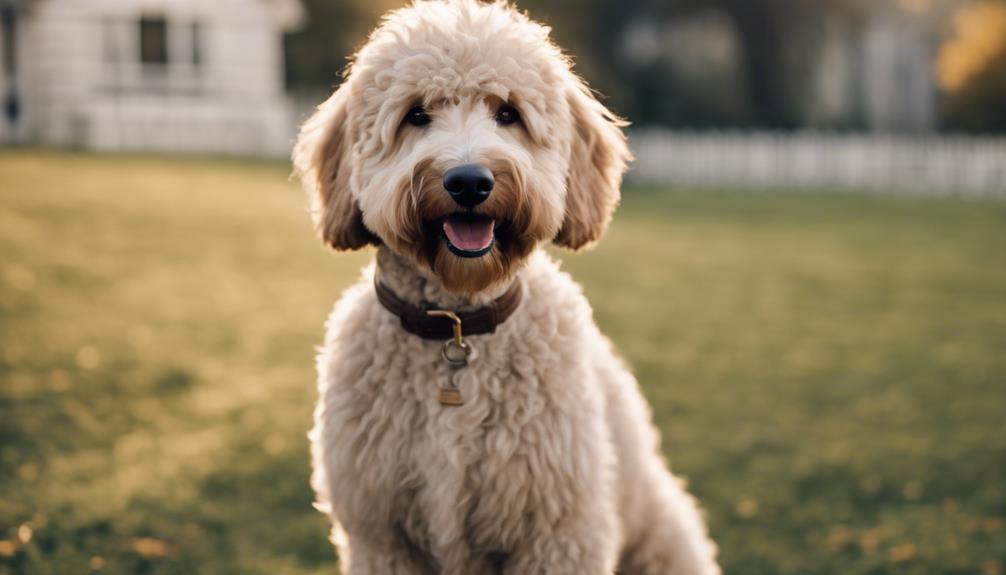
{"x":354,"y":308}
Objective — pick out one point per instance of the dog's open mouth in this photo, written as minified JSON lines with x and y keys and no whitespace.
{"x":469,"y":235}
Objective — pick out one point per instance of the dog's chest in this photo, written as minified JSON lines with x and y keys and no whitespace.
{"x":468,"y":472}
{"x":476,"y":455}
{"x":478,"y":475}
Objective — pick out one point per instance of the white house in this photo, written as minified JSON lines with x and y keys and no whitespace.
{"x":191,"y":76}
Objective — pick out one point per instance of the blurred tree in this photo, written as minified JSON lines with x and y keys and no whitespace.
{"x":971,"y":69}
{"x":627,"y":49}
{"x":778,"y":45}
{"x":594,"y":31}
{"x":317,"y":53}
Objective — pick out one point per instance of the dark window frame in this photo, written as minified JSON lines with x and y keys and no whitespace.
{"x":154,"y":41}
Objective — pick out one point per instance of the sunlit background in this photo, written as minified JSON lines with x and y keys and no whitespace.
{"x":808,"y":275}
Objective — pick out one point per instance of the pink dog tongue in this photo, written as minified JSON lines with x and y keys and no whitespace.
{"x":469,"y":232}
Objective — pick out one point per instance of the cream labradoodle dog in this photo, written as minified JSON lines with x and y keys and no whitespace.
{"x":459,"y":143}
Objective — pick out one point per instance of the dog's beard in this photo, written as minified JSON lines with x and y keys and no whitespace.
{"x":518,"y":224}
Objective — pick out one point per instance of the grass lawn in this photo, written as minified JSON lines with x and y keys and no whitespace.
{"x":828,"y":371}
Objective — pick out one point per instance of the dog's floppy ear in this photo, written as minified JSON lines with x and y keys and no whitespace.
{"x":598,"y":158}
{"x":321,"y":159}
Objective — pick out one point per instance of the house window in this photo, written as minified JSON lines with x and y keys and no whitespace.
{"x":8,"y":20}
{"x":153,"y":41}
{"x":8,"y":70}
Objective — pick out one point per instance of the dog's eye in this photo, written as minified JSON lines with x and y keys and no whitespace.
{"x":506,"y":115}
{"x":417,"y":116}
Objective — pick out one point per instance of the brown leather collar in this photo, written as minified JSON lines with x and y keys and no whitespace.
{"x":416,"y":321}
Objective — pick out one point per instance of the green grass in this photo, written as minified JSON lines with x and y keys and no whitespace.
{"x":828,"y":371}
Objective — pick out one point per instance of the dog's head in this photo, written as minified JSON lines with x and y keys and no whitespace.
{"x":462,"y":139}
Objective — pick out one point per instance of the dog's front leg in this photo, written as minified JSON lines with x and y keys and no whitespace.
{"x":462,"y":562}
{"x":578,"y":546}
{"x":371,"y":555}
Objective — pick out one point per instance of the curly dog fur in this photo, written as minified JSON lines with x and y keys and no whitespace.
{"x":551,"y":466}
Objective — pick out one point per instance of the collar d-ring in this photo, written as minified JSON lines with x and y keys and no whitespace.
{"x":456,"y":350}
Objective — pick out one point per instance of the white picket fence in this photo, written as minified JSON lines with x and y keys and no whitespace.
{"x":930,"y":164}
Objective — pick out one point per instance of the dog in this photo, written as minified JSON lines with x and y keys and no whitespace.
{"x":472,"y":417}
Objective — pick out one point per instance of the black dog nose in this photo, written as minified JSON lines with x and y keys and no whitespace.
{"x":469,"y":185}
